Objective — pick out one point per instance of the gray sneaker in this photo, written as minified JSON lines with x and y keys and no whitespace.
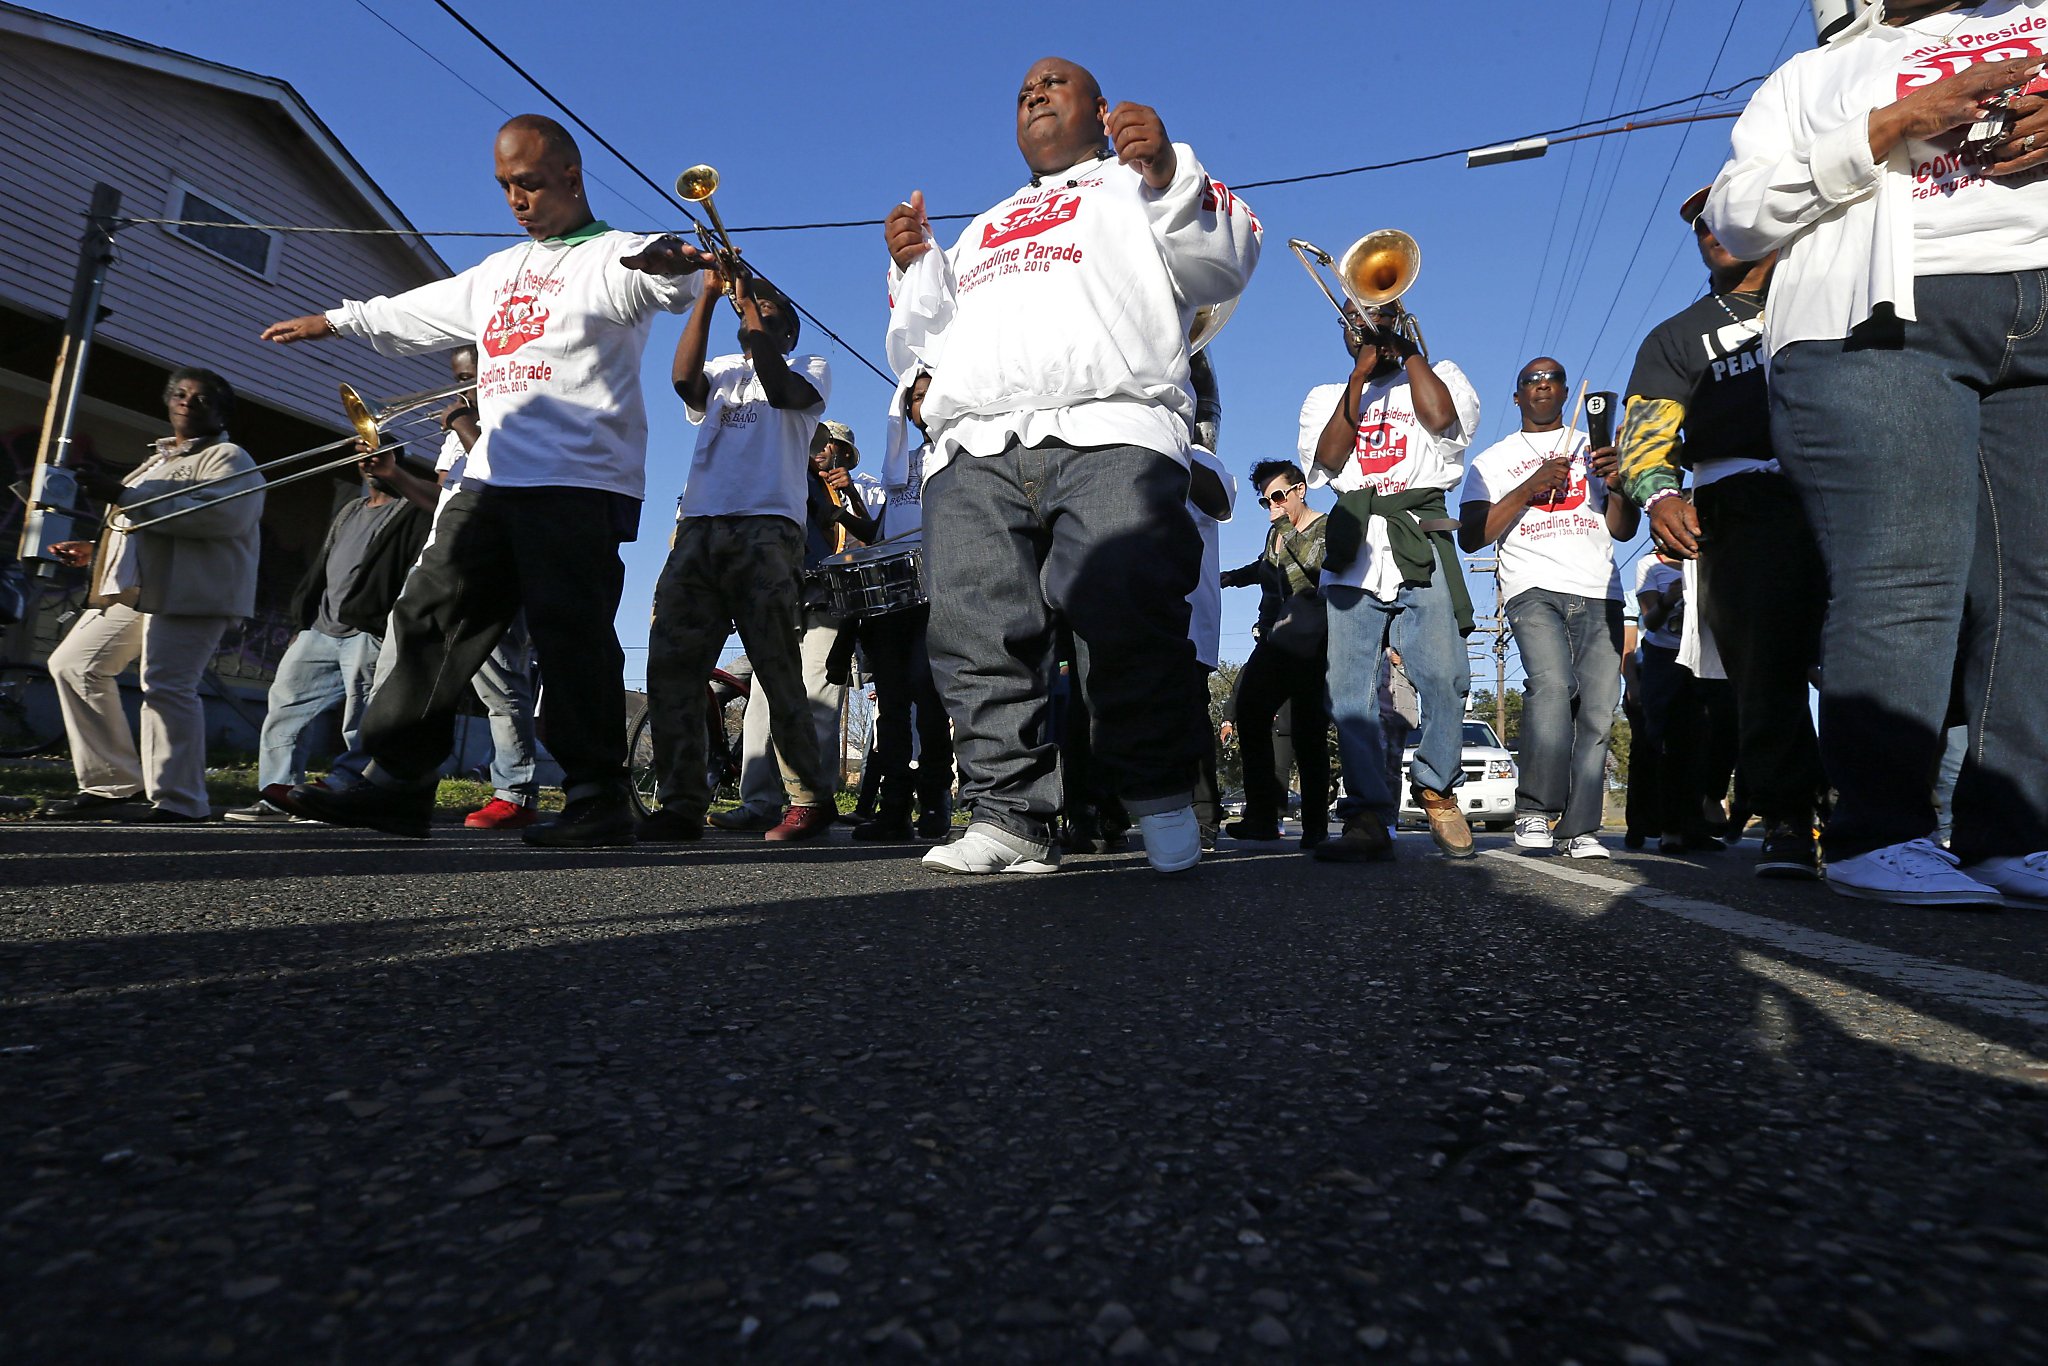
{"x":259,"y":812}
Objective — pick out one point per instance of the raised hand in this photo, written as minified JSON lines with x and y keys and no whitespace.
{"x":905,"y":231}
{"x":312,"y":327}
{"x":668,"y":255}
{"x":1139,"y":136}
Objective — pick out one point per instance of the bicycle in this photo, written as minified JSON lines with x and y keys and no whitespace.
{"x":721,"y":743}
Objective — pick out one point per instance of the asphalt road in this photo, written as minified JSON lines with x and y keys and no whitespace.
{"x":297,"y":1094}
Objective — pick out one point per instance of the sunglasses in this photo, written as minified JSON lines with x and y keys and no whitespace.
{"x":1276,"y":499}
{"x":1538,"y":376}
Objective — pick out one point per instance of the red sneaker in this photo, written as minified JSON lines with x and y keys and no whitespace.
{"x":802,"y":823}
{"x":499,"y":814}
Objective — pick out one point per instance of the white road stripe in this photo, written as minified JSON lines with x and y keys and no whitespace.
{"x":1986,"y":991}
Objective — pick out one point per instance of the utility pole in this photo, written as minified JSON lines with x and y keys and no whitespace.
{"x":53,"y":496}
{"x":1830,"y":15}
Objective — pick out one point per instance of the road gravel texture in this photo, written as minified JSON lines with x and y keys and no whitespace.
{"x":296,"y":1094}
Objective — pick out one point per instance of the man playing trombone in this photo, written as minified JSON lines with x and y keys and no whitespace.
{"x":167,"y":582}
{"x":553,"y":487}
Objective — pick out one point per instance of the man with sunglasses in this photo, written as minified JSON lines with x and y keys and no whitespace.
{"x":1541,"y":498}
{"x":1698,"y":400}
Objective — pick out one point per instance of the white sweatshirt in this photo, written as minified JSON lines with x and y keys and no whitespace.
{"x":559,"y":328}
{"x":1801,"y":178}
{"x":1062,"y":314}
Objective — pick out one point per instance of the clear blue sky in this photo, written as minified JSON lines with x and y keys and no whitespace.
{"x":825,"y":111}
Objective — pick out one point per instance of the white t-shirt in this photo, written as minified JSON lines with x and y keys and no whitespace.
{"x":559,"y":327}
{"x":873,"y":497}
{"x":1205,"y":620}
{"x":1964,"y":223}
{"x":1393,"y":453}
{"x":1655,"y":576}
{"x":1563,"y":546}
{"x":906,"y":496}
{"x":752,"y":457}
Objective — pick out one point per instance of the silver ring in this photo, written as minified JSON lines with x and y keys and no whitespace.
{"x":2027,"y":142}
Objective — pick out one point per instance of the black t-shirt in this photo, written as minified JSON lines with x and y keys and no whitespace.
{"x":1711,"y":359}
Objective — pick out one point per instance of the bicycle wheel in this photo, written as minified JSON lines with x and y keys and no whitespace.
{"x":642,"y":782}
{"x":30,"y":723}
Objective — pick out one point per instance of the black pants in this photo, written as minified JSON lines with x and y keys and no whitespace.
{"x":553,"y":552}
{"x":895,"y":647}
{"x":1270,"y":679}
{"x":1677,"y":724}
{"x":1645,"y":784}
{"x":1765,"y":592}
{"x":1208,"y":804}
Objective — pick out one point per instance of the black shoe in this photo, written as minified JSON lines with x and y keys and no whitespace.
{"x":602,"y":821}
{"x":1313,"y":837}
{"x":934,"y":825}
{"x":1250,"y":829}
{"x":153,"y":815}
{"x":669,"y":825}
{"x":87,"y":806}
{"x":1790,"y":851}
{"x":393,"y":810}
{"x":1365,"y":840}
{"x":1633,"y":840}
{"x":884,"y":830}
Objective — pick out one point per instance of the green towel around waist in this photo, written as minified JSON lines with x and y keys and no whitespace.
{"x":1418,"y":553}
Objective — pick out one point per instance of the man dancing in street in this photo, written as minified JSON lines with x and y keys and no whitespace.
{"x":1060,"y":404}
{"x":553,"y":486}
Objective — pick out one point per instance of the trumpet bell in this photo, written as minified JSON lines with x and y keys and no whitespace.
{"x":697,"y":184}
{"x":361,"y":418}
{"x":1209,"y":320}
{"x":1380,"y":267}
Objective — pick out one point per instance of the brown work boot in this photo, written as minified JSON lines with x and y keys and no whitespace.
{"x":802,"y":823}
{"x":1446,"y":822}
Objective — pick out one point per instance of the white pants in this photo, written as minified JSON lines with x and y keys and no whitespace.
{"x":762,"y":784}
{"x":175,"y":650}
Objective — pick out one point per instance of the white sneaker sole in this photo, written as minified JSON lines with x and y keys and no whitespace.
{"x":940,"y":861}
{"x":1596,"y":853}
{"x":1896,"y":897}
{"x":1178,"y":866}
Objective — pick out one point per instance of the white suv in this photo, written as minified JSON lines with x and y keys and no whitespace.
{"x":1487,"y":796}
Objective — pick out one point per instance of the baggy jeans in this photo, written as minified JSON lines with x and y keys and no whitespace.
{"x":1918,"y":449}
{"x":1571,"y":651}
{"x":1102,"y":539}
{"x":1424,"y":627}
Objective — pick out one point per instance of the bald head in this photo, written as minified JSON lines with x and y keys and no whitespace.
{"x":1060,"y":113}
{"x":1540,"y":392}
{"x":541,"y":172}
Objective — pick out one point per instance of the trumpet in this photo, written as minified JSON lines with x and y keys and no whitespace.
{"x":1374,"y":272}
{"x":696,"y":186}
{"x":367,"y":438}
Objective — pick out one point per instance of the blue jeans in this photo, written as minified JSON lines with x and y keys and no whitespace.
{"x":317,"y":671}
{"x":1423,"y":625}
{"x":1571,"y":652}
{"x":1102,"y":540}
{"x":504,"y":684}
{"x":1918,"y":449}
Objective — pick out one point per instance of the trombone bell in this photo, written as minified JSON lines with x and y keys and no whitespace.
{"x":1380,"y":267}
{"x":361,"y":418}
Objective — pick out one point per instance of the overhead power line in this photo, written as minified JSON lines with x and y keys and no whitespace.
{"x":651,"y":183}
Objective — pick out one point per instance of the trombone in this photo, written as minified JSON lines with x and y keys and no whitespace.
{"x":367,"y":438}
{"x":1374,"y":272}
{"x":697,"y":185}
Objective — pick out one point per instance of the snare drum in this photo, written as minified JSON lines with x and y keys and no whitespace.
{"x":876,"y":579}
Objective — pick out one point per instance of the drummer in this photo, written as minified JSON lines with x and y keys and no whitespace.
{"x":894,"y":644}
{"x":736,"y":556}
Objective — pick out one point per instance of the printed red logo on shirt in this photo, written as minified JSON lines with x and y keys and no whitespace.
{"x":519,"y":320}
{"x":1928,"y":66}
{"x":1574,"y":494}
{"x":1381,"y":446}
{"x":1029,"y":220}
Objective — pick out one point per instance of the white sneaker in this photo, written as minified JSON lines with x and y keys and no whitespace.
{"x":1916,"y":873}
{"x":975,"y":852}
{"x":1583,"y":846}
{"x":2022,"y":879}
{"x":1173,"y":840}
{"x":1533,"y":832}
